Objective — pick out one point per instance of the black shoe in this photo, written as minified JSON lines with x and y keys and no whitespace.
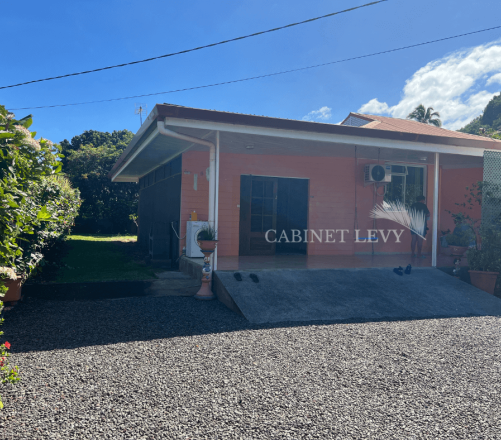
{"x":408,"y":269}
{"x":399,"y":270}
{"x":254,"y":277}
{"x":237,"y":276}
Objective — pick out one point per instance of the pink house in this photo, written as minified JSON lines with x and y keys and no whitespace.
{"x":285,"y":192}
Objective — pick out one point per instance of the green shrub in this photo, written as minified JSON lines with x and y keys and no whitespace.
{"x":459,"y":239}
{"x":37,"y":206}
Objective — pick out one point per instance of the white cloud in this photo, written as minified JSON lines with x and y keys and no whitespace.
{"x":322,"y":114}
{"x":453,"y":85}
{"x":374,"y":107}
{"x":494,"y":79}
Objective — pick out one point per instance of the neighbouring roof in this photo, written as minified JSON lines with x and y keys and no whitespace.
{"x":386,"y":123}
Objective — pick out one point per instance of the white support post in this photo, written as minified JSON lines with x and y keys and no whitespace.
{"x":216,"y":207}
{"x":434,"y":244}
{"x":212,"y":185}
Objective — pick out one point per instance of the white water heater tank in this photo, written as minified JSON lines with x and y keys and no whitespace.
{"x":192,"y":229}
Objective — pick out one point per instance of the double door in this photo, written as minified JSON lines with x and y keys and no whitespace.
{"x":270,"y":207}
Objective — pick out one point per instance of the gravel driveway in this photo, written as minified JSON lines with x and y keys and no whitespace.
{"x":172,"y":367}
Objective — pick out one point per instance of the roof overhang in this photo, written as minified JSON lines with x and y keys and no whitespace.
{"x":272,"y":136}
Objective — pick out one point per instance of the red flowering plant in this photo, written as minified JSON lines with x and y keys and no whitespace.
{"x":7,"y":374}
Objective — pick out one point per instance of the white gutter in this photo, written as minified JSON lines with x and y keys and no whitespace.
{"x":216,"y":208}
{"x":365,"y":141}
{"x":434,"y":245}
{"x":212,"y":171}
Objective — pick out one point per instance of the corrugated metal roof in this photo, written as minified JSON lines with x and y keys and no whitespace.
{"x":410,"y":126}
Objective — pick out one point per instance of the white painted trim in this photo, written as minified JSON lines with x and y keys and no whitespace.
{"x":148,"y":140}
{"x":327,"y":137}
{"x":457,"y":167}
{"x":216,"y":208}
{"x":278,"y":177}
{"x":434,"y":243}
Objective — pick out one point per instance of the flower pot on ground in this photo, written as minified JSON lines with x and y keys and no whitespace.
{"x":12,"y":282}
{"x":457,"y":251}
{"x":458,"y":243}
{"x":483,"y":280}
{"x":485,"y":264}
{"x":14,"y":292}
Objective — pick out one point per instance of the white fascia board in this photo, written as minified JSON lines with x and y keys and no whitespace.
{"x":327,"y":137}
{"x":148,"y":140}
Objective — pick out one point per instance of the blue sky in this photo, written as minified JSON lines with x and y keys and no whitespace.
{"x":42,"y":39}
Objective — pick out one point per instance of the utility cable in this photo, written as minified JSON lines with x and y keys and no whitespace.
{"x":255,"y":34}
{"x":263,"y":76}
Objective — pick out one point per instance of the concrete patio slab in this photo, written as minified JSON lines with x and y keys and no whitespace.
{"x":352,"y":294}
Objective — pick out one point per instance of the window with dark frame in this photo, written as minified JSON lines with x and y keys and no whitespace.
{"x":407,"y":183}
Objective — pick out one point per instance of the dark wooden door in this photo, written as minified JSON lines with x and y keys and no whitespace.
{"x":258,"y":215}
{"x":292,"y":214}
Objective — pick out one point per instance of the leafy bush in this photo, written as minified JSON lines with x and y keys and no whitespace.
{"x":459,"y":239}
{"x":89,"y":159}
{"x":36,"y":206}
{"x":60,"y":203}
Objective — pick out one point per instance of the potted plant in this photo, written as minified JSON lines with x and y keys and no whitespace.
{"x":459,"y":241}
{"x":484,"y":261}
{"x":12,"y":282}
{"x":206,"y":238}
{"x":207,"y":241}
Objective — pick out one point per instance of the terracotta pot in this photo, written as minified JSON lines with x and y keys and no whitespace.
{"x":458,"y":251}
{"x":14,"y":292}
{"x":482,"y":280}
{"x":207,"y":245}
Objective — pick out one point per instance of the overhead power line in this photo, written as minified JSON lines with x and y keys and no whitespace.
{"x":265,"y":75}
{"x":195,"y":48}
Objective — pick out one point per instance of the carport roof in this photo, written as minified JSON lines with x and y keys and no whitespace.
{"x":201,"y":123}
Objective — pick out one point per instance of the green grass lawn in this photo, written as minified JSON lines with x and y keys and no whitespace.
{"x":102,"y":258}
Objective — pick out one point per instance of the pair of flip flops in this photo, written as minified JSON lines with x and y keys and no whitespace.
{"x":400,"y":270}
{"x":252,"y":276}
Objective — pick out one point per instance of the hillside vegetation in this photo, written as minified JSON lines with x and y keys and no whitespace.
{"x":489,"y":122}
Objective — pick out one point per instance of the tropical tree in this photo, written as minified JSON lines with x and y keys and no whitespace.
{"x":88,"y":159}
{"x":426,"y":116}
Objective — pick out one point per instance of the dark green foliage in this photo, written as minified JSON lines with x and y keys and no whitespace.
{"x":488,"y":123}
{"x":89,"y":159}
{"x":462,"y":238}
{"x":492,"y":111}
{"x":118,"y":139}
{"x":207,"y":233}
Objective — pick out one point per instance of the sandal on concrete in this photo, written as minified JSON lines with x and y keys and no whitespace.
{"x":399,"y":270}
{"x":254,"y":277}
{"x":408,"y":269}
{"x":237,"y":276}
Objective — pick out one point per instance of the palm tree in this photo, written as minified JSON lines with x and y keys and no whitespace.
{"x":426,"y":116}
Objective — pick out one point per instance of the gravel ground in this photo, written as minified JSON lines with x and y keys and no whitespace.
{"x":151,"y":368}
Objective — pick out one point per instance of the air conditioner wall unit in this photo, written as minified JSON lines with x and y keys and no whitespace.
{"x":192,"y":230}
{"x":375,"y":173}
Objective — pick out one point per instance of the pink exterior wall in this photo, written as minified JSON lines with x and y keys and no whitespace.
{"x":453,"y":190}
{"x":334,"y":184}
